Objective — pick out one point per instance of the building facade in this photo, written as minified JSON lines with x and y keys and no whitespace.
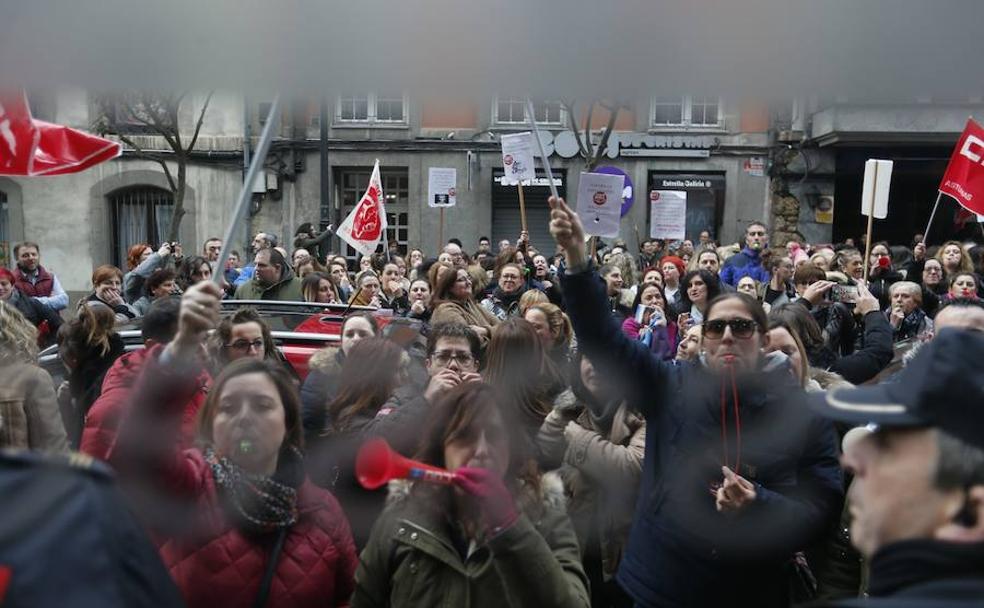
{"x":799,"y":170}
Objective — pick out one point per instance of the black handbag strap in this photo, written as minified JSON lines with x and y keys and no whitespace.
{"x":278,"y":547}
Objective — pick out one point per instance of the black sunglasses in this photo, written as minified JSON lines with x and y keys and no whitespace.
{"x":740,"y":328}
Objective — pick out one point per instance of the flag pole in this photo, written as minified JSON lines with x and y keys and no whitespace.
{"x":522,"y":206}
{"x":259,"y":157}
{"x":939,"y":195}
{"x":543,"y":151}
{"x":871,"y":219}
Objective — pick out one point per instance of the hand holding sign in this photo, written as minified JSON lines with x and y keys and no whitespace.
{"x":567,"y":231}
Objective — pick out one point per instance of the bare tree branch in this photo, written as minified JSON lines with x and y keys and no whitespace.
{"x":201,"y":119}
{"x":152,"y":157}
{"x":571,"y":118}
{"x":603,"y":144}
{"x":587,"y":131}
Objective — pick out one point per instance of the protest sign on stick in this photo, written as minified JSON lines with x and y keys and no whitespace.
{"x":874,"y":199}
{"x":517,"y":163}
{"x":442,"y":191}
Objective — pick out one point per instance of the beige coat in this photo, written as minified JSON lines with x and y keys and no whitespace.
{"x":465,"y":313}
{"x":29,"y":415}
{"x":601,"y":472}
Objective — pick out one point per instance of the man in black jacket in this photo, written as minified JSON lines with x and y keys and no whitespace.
{"x":918,"y":492}
{"x":68,"y":540}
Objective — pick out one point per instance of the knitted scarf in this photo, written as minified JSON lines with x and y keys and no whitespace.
{"x":261,"y":504}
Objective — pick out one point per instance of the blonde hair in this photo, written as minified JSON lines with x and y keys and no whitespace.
{"x":557,"y":319}
{"x":18,"y":337}
{"x":529,"y":298}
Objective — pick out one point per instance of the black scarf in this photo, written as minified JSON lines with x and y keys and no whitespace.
{"x":911,"y":325}
{"x":506,"y":300}
{"x":913,"y":562}
{"x":260,"y":504}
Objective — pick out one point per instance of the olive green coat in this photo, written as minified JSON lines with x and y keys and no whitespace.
{"x":287,"y":289}
{"x":411,"y":561}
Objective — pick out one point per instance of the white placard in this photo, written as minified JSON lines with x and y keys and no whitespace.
{"x":517,"y":158}
{"x":599,"y":203}
{"x":668,"y":214}
{"x":878,"y":190}
{"x":442,"y":187}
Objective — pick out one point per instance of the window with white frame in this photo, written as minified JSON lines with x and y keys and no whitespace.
{"x":371,"y":109}
{"x":396,"y":188}
{"x":686,"y":112}
{"x":512,"y":111}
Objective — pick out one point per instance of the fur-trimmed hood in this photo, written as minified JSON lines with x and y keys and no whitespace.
{"x":551,"y":492}
{"x":328,"y":360}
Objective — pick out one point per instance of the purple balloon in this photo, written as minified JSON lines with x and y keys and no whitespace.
{"x":626,"y":200}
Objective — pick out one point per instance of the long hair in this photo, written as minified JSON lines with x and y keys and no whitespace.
{"x":435,"y":272}
{"x":713,"y":288}
{"x":370,"y":374}
{"x":516,"y":361}
{"x":18,"y":337}
{"x":966,"y":264}
{"x":780,"y":322}
{"x":90,"y":331}
{"x":133,"y":255}
{"x":189,"y":267}
{"x":311,"y":284}
{"x":798,"y":320}
{"x":559,"y":322}
{"x":455,"y":416}
{"x":294,"y":437}
{"x":442,"y":291}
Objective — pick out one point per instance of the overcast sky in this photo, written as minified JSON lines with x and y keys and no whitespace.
{"x":877,"y":49}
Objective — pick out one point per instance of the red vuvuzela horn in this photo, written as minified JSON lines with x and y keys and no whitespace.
{"x":377,"y":463}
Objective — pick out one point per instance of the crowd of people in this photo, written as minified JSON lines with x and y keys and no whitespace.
{"x":681,"y":426}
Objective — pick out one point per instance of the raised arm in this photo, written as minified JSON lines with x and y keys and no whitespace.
{"x":599,"y":335}
{"x":148,"y":445}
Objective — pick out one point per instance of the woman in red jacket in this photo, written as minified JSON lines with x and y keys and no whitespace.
{"x":260,"y":532}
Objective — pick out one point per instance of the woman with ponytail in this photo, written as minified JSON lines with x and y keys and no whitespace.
{"x":88,"y":345}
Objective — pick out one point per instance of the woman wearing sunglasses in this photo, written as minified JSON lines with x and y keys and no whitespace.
{"x":738,"y":474}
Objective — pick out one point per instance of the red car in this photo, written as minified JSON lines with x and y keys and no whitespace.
{"x":298,"y":328}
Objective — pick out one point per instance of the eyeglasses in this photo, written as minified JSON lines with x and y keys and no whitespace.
{"x":740,"y":328}
{"x":444,"y":357}
{"x":244,"y":345}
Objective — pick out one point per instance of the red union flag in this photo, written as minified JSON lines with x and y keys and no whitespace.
{"x":31,"y":147}
{"x":366,"y":225}
{"x":964,"y":177}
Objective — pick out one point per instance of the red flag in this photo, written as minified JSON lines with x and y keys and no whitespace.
{"x":964,"y":177}
{"x":366,"y":224}
{"x":33,"y":147}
